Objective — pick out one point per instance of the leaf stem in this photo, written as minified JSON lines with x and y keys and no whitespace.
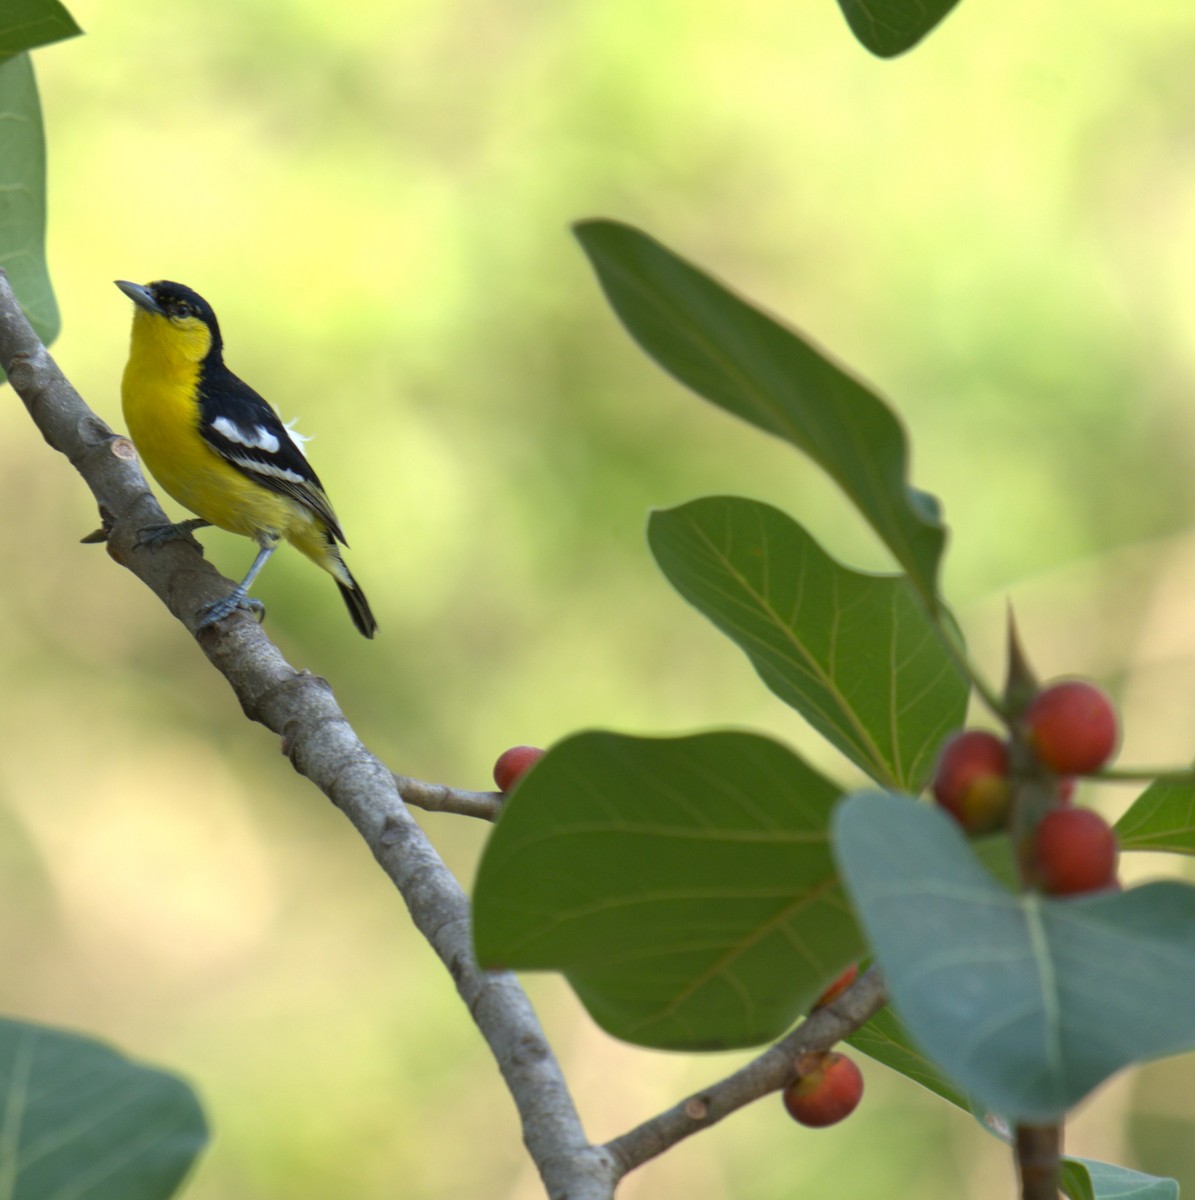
{"x":1146,"y":775}
{"x":1038,"y":1151}
{"x":952,"y":639}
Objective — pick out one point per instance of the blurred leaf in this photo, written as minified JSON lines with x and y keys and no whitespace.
{"x":26,"y":24}
{"x":890,"y":27}
{"x":79,"y":1120}
{"x":1027,"y":1003}
{"x":886,"y":1040}
{"x":23,"y":196}
{"x":746,"y":362}
{"x":994,"y":852}
{"x":684,"y":886}
{"x":1076,"y":1181}
{"x":1085,"y":1179}
{"x":854,"y":654}
{"x":1161,"y":818}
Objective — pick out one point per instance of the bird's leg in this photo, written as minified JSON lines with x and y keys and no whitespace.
{"x":154,"y":536}
{"x":239,"y":596}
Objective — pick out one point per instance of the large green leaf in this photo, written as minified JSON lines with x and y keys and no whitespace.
{"x":27,"y":24}
{"x":855,"y":654}
{"x":23,"y":196}
{"x":684,"y":886}
{"x":1027,"y":1003}
{"x":890,"y":27}
{"x":1086,"y":1179}
{"x":748,"y":363}
{"x":1161,"y":818}
{"x":80,"y":1121}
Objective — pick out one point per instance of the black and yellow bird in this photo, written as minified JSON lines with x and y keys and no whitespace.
{"x":219,"y":449}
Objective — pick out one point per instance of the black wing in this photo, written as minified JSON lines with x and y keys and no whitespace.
{"x":245,"y":431}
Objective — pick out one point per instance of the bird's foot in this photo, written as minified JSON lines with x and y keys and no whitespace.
{"x":235,"y":599}
{"x":153,"y":536}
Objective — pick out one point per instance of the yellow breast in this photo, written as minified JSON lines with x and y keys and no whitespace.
{"x":160,"y":400}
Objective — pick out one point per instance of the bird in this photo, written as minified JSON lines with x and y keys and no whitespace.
{"x":219,"y":448}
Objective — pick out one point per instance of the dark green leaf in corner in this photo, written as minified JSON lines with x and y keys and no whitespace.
{"x":749,"y":364}
{"x":23,"y":196}
{"x":27,"y":24}
{"x":1026,"y":1002}
{"x":890,"y":27}
{"x":854,"y":653}
{"x":684,"y":886}
{"x":78,"y":1119}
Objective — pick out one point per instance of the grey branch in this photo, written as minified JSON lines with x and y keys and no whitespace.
{"x":322,"y":746}
{"x":772,"y":1070}
{"x":439,"y":797}
{"x":320,"y":743}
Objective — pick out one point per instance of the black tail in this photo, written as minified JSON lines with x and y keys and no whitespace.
{"x":358,"y":606}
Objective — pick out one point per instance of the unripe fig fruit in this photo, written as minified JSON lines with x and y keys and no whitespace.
{"x":1074,"y":851}
{"x":828,"y":1089}
{"x":971,"y":780}
{"x":839,"y":986}
{"x":513,"y":764}
{"x":1071,"y":727}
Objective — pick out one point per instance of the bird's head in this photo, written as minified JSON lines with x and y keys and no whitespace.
{"x":172,"y":317}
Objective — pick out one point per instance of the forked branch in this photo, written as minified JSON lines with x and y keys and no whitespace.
{"x":300,"y":708}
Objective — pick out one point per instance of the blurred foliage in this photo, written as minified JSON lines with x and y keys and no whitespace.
{"x":82,"y":1120}
{"x":1026,"y":1003}
{"x":25,"y":24}
{"x":991,"y":230}
{"x":890,"y":27}
{"x":23,"y":194}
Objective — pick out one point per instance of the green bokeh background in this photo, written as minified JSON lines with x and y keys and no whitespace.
{"x":996,"y":230}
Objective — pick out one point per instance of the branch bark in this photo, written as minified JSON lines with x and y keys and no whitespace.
{"x":322,"y":746}
{"x":439,"y":797}
{"x":770,"y":1072}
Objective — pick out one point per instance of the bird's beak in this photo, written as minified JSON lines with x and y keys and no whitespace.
{"x":141,"y":296}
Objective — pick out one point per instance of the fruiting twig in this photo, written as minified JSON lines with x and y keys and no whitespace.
{"x":770,"y":1072}
{"x":439,"y":797}
{"x":322,"y":746}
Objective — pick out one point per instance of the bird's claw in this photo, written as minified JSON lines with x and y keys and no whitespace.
{"x":216,"y":612}
{"x":153,"y":536}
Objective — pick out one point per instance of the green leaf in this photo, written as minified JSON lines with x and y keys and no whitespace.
{"x":886,"y":1040}
{"x":1161,"y":818}
{"x":79,"y":1120}
{"x":1076,"y":1180}
{"x":1085,"y":1179}
{"x":745,"y":361}
{"x":26,"y":24}
{"x":23,"y":196}
{"x":890,"y":27}
{"x":684,"y":886}
{"x":854,"y":654}
{"x":1027,"y":1003}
